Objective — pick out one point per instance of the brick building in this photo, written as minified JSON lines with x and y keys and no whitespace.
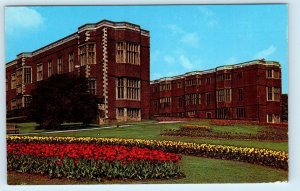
{"x":245,"y":91}
{"x":114,"y":56}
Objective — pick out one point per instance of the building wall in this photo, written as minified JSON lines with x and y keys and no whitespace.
{"x":104,"y":70}
{"x":246,"y":82}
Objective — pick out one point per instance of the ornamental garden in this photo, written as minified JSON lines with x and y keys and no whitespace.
{"x":149,"y":152}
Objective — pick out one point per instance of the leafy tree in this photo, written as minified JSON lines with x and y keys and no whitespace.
{"x":62,"y":98}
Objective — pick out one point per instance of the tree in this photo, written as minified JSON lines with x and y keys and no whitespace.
{"x":62,"y":98}
{"x":284,"y":107}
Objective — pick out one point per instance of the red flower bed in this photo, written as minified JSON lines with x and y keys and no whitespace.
{"x":80,"y":160}
{"x":91,"y":152}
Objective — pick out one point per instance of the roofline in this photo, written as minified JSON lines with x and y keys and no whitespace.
{"x":54,"y":42}
{"x":224,"y":67}
{"x":11,"y":63}
{"x":74,"y":35}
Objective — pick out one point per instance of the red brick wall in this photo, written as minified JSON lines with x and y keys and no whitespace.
{"x":253,"y":83}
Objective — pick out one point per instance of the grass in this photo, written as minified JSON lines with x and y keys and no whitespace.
{"x":196,"y":169}
{"x":31,"y":127}
{"x":150,"y":130}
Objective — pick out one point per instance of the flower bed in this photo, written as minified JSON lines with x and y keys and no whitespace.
{"x":221,"y":122}
{"x":84,"y":160}
{"x":195,"y":128}
{"x":277,"y":159}
{"x":274,"y":135}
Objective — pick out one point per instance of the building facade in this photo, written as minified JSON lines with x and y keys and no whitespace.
{"x":248,"y":91}
{"x":113,"y":56}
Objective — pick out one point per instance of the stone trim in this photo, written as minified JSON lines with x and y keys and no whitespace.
{"x":105,"y":70}
{"x":220,"y":68}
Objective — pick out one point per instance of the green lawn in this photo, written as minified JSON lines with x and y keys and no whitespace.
{"x":151,"y":130}
{"x":196,"y":169}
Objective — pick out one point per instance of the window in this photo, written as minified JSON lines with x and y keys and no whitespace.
{"x":133,"y":89}
{"x":224,"y":95}
{"x":91,"y":54}
{"x":165,"y":86}
{"x":208,"y":80}
{"x":71,"y":62}
{"x":13,"y":81}
{"x":120,"y":88}
{"x":273,"y":118}
{"x":27,"y":100}
{"x":191,"y":99}
{"x":49,"y":68}
{"x":82,"y":55}
{"x":223,"y":113}
{"x":220,"y":95}
{"x":240,"y":112}
{"x":269,"y":118}
{"x":27,"y":74}
{"x":120,"y":112}
{"x":273,"y":74}
{"x":269,"y":94}
{"x":276,"y":118}
{"x":127,"y":53}
{"x":276,"y":92}
{"x":227,"y":76}
{"x":165,"y":102}
{"x":19,"y":73}
{"x":120,"y":52}
{"x":269,"y":73}
{"x":92,"y":86}
{"x":191,"y":113}
{"x":241,"y":96}
{"x":87,"y":54}
{"x":59,"y":65}
{"x":207,"y":98}
{"x":220,"y":77}
{"x":276,"y":74}
{"x":133,"y":112}
{"x":227,"y":95}
{"x":273,"y":94}
{"x":240,"y":75}
{"x":39,"y":72}
{"x":181,"y":102}
{"x":128,"y":88}
{"x":19,"y":77}
{"x":199,"y":98}
{"x":192,"y":82}
{"x":179,"y":85}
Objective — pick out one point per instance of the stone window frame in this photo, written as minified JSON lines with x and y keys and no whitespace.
{"x":39,"y":72}
{"x":60,"y":64}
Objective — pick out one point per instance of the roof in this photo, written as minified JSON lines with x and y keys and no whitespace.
{"x":219,"y":68}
